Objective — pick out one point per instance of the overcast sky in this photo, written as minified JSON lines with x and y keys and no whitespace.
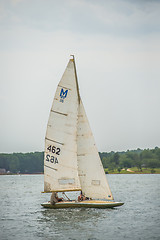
{"x":117,"y":48}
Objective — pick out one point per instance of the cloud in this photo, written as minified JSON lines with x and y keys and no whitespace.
{"x":117,"y":50}
{"x":117,"y":83}
{"x":125,"y":18}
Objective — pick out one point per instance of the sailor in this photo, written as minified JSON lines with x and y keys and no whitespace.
{"x":81,"y":197}
{"x":54,"y":198}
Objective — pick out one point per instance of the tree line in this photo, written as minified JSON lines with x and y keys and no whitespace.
{"x":147,"y":158}
{"x":22,"y":162}
{"x":33,"y":162}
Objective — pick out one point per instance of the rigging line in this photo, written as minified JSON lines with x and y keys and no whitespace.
{"x":51,"y":167}
{"x":66,"y":196}
{"x":54,"y":141}
{"x":65,"y":114}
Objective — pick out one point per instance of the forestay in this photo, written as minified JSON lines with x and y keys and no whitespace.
{"x":60,"y":160}
{"x":92,"y":177}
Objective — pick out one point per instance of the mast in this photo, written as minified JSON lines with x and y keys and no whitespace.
{"x":76,"y":78}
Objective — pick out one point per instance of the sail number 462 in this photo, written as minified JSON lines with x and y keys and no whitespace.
{"x":53,"y":149}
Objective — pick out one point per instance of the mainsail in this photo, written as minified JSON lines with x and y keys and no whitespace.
{"x":60,"y":160}
{"x":71,"y":160}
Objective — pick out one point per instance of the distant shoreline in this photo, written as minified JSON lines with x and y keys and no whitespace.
{"x":129,"y":173}
{"x":19,"y":174}
{"x":138,"y":161}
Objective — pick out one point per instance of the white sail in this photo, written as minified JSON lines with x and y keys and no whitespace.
{"x":60,"y":160}
{"x":91,"y":173}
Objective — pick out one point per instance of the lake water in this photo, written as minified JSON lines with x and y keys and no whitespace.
{"x":22,"y":217}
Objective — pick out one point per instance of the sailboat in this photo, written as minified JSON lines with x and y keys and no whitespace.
{"x":71,"y":159}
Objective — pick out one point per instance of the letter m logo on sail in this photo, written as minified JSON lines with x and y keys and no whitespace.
{"x":63,"y":95}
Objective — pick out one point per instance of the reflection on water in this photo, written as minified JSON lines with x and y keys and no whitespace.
{"x":71,"y":222}
{"x":22,"y":216}
{"x":74,"y":215}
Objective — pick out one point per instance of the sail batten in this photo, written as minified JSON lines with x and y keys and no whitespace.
{"x":54,"y":141}
{"x":64,"y":87}
{"x":50,"y":167}
{"x":65,"y":114}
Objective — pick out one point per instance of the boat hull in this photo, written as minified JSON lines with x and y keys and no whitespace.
{"x":83,"y":204}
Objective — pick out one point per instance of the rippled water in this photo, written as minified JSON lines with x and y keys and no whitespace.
{"x":22,"y":217}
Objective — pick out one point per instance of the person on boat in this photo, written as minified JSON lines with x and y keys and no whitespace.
{"x":54,"y":198}
{"x":81,"y":197}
